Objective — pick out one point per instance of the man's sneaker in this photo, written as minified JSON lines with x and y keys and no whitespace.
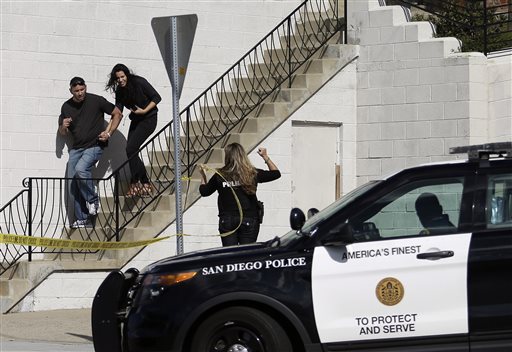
{"x":93,"y":208}
{"x":81,"y":224}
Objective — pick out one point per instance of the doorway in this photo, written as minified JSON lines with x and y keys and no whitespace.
{"x":316,"y":170}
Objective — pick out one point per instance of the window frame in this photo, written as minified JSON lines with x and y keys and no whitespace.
{"x":482,"y":195}
{"x":408,"y":189}
{"x":467,"y":171}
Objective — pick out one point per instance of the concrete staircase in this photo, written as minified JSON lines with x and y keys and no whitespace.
{"x":21,"y":279}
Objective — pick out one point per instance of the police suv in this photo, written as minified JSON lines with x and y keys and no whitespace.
{"x":419,"y":261}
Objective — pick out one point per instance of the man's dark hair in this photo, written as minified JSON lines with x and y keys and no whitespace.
{"x":76,"y":81}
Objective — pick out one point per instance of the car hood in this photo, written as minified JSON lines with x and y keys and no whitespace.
{"x":192,"y":258}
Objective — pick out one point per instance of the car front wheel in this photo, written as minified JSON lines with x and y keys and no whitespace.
{"x":240,"y":329}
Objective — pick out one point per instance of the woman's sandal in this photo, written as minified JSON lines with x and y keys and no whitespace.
{"x":147,"y":190}
{"x":134,"y":190}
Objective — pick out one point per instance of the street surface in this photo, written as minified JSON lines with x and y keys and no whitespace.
{"x":27,"y":346}
{"x":64,"y":330}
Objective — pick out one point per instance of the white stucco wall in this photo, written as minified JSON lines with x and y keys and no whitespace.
{"x":499,"y":80}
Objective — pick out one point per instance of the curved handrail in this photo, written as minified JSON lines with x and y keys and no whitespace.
{"x":13,"y":220}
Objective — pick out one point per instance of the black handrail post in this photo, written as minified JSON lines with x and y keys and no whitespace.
{"x":116,"y":205}
{"x":29,"y":217}
{"x":187,"y":150}
{"x":485,"y":27}
{"x":345,"y":29}
{"x":289,"y":43}
{"x":336,"y":13}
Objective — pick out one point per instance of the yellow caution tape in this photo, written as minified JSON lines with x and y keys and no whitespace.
{"x":95,"y":245}
{"x":72,"y":244}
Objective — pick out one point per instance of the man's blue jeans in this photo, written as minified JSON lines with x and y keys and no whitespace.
{"x":80,"y":165}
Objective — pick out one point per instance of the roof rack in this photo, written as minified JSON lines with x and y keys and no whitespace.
{"x":484,"y":151}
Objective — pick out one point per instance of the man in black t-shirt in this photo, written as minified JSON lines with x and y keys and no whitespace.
{"x":82,"y":116}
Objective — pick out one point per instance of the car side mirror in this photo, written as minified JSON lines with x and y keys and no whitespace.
{"x":341,"y":236}
{"x":297,"y":219}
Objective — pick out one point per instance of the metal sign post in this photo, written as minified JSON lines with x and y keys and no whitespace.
{"x":175,"y":35}
{"x":177,"y":123}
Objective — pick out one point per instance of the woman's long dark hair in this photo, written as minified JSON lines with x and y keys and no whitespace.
{"x":125,"y":94}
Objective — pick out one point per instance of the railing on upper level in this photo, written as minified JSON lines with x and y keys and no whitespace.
{"x":481,"y":25}
{"x":45,"y":207}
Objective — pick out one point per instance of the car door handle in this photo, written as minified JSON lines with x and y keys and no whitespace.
{"x":435,"y":255}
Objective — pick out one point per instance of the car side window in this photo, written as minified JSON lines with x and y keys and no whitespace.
{"x":499,"y":201}
{"x":427,"y":207}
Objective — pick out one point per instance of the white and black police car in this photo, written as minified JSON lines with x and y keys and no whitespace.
{"x":418,"y":261}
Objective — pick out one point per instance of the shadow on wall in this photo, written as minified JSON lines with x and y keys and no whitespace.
{"x":113,"y":157}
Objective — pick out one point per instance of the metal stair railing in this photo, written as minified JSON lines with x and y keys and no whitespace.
{"x":44,"y":208}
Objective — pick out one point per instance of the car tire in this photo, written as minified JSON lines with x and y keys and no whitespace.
{"x":240,"y":329}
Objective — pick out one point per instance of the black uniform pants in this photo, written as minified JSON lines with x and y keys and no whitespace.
{"x":246,"y":233}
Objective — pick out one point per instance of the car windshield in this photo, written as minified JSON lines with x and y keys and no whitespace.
{"x":312,"y":222}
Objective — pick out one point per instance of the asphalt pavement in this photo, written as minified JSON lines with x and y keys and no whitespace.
{"x":52,"y":330}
